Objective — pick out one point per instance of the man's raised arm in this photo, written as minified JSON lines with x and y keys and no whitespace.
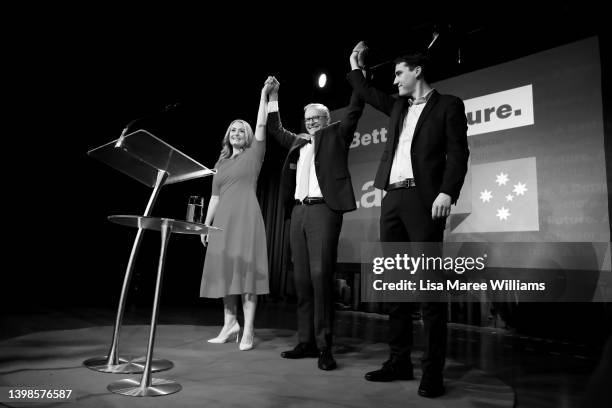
{"x":374,"y":97}
{"x":275,"y":127}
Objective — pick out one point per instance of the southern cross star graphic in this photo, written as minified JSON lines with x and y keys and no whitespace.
{"x":503,"y":197}
{"x":519,"y":188}
{"x":503,"y":213}
{"x":486,"y":196}
{"x":502,"y":179}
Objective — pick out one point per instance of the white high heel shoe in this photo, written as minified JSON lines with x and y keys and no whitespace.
{"x":246,"y":343}
{"x":221,"y":338}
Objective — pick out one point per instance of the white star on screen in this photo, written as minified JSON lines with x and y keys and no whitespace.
{"x":485,"y":196}
{"x":509,"y":197}
{"x":501,"y":179}
{"x":503,"y":213}
{"x":520,"y":188}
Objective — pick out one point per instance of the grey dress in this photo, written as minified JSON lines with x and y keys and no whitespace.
{"x":237,"y":257}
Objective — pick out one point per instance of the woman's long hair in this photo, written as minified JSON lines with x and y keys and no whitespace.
{"x":226,"y":148}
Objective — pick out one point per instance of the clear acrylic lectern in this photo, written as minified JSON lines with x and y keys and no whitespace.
{"x":154,"y":163}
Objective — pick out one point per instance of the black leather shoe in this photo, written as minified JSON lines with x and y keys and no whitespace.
{"x":391,"y":371}
{"x":326,"y":360}
{"x":302,"y":350}
{"x":431,"y":389}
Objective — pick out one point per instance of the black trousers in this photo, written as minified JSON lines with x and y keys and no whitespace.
{"x":404,"y":218}
{"x":314,"y":234}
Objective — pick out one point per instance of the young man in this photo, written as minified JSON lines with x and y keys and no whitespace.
{"x":316,"y":182}
{"x":422,"y":169}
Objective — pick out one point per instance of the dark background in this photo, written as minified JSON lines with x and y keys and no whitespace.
{"x":79,"y":80}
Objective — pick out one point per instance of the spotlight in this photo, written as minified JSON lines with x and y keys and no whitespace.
{"x":322,"y":80}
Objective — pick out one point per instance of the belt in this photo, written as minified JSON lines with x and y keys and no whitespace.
{"x":407,"y":183}
{"x":310,"y":201}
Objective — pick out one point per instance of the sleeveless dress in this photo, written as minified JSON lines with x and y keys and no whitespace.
{"x":237,"y":258}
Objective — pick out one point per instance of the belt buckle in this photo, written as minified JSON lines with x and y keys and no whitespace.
{"x":311,"y":200}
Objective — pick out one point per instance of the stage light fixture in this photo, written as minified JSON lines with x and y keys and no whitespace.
{"x":322,"y":80}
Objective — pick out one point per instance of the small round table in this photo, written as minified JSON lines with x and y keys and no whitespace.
{"x":148,"y":386}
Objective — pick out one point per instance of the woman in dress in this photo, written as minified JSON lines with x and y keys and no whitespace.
{"x":236,"y":263}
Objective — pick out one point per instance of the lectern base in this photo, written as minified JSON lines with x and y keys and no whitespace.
{"x":132,"y":388}
{"x":127,"y":366}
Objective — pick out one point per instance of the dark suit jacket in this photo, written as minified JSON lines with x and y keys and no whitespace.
{"x":439,"y":148}
{"x":331,"y":146}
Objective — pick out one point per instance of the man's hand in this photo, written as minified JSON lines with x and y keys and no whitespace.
{"x":357,"y":56}
{"x":204,"y":238}
{"x":274,"y":91}
{"x":441,"y":206}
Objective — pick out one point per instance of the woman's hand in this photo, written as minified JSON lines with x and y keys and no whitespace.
{"x":274,"y":93}
{"x":268,"y":87}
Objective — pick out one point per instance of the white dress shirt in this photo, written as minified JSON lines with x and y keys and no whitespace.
{"x":401,"y":168}
{"x":307,"y":151}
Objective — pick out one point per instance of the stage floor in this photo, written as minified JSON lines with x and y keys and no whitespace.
{"x":221,"y":375}
{"x":50,"y":344}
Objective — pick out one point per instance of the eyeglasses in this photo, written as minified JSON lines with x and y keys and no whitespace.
{"x":314,"y":118}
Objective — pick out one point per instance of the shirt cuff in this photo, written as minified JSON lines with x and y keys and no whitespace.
{"x":272,"y":106}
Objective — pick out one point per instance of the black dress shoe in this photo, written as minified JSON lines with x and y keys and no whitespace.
{"x":302,"y":350}
{"x":391,"y":371}
{"x":326,"y":360}
{"x":430,"y":389}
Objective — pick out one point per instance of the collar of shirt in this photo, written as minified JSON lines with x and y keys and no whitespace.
{"x":422,"y":99}
{"x":306,"y":137}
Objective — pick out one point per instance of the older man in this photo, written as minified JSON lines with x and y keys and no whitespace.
{"x":317,"y":184}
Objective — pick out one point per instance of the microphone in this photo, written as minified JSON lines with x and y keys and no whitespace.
{"x":166,"y":109}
